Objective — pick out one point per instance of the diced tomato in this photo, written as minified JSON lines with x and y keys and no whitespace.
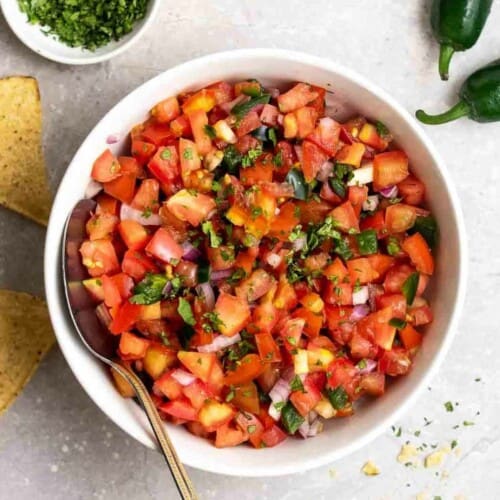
{"x":165,"y":164}
{"x":199,"y":120}
{"x":272,"y":437}
{"x":373,"y":383}
{"x":312,"y":159}
{"x":251,"y":425}
{"x":164,"y":247}
{"x":112,"y":297}
{"x":420,"y":314}
{"x":107,"y":204}
{"x":336,"y":271}
{"x":134,"y":235}
{"x":246,"y":398}
{"x":125,"y":318}
{"x":389,"y":168}
{"x":397,"y":276}
{"x":223,"y":92}
{"x":375,"y":221}
{"x":146,"y":198}
{"x":410,"y":337}
{"x":255,"y":286}
{"x":197,"y":392}
{"x":248,"y":123}
{"x":369,"y":135}
{"x":357,"y":196}
{"x":313,"y":321}
{"x":381,"y":263}
{"x":361,"y":346}
{"x":213,"y":415}
{"x":198,"y":363}
{"x":268,"y":349}
{"x":249,"y":369}
{"x":395,"y":362}
{"x":305,"y":401}
{"x":99,"y":257}
{"x":106,"y":167}
{"x":181,"y":127}
{"x":411,"y":190}
{"x":192,"y":208}
{"x":285,"y":152}
{"x":419,"y":252}
{"x":361,"y":271}
{"x":284,"y":222}
{"x":190,"y":160}
{"x":338,"y":293}
{"x":345,"y":217}
{"x":121,"y":188}
{"x":227,"y":435}
{"x":132,"y":347}
{"x":233,"y":313}
{"x":136,"y":264}
{"x":168,"y":386}
{"x":269,"y":115}
{"x":142,"y":151}
{"x":326,"y":135}
{"x":158,"y":134}
{"x":342,"y":373}
{"x":264,"y":317}
{"x":180,"y":408}
{"x":297,"y":97}
{"x":396,"y":301}
{"x":352,"y":154}
{"x":399,"y":218}
{"x":165,"y":111}
{"x":221,"y":258}
{"x":101,"y":226}
{"x":306,"y":121}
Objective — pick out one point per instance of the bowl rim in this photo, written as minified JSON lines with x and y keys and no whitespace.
{"x":86,"y":59}
{"x":52,"y":239}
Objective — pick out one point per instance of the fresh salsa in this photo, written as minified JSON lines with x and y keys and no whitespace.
{"x":263,"y":264}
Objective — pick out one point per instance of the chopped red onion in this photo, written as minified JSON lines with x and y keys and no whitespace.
{"x":183,"y":377}
{"x":280,"y":119}
{"x":274,"y":92}
{"x":359,"y":312}
{"x":298,"y":152}
{"x":219,"y":342}
{"x":315,"y":428}
{"x":191,"y":253}
{"x":370,"y":365}
{"x":93,"y":188}
{"x":371,"y":203}
{"x":299,"y":243}
{"x":167,"y":288}
{"x":220,"y":275}
{"x":389,"y":192}
{"x":325,"y":171}
{"x":129,"y":213}
{"x":112,"y":139}
{"x":304,"y":429}
{"x":274,"y":413}
{"x":360,"y":296}
{"x":206,"y":291}
{"x":228,"y":106}
{"x":274,"y":260}
{"x":280,"y":391}
{"x":312,"y":416}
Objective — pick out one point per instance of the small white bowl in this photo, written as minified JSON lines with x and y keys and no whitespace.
{"x":48,"y":46}
{"x":351,"y":93}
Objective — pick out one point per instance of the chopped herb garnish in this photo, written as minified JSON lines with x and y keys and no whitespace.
{"x":296,"y":384}
{"x":279,"y":405}
{"x":210,"y":131}
{"x":208,"y":229}
{"x":149,"y":290}
{"x":249,"y":158}
{"x":382,"y":130}
{"x":295,"y":177}
{"x":238,"y":275}
{"x":343,"y":249}
{"x":164,"y":339}
{"x":214,"y":322}
{"x":185,"y":311}
{"x":291,"y":418}
{"x":232,"y":159}
{"x":367,"y":242}
{"x":467,"y":423}
{"x":409,"y":287}
{"x":278,"y":159}
{"x":448,"y":406}
{"x":271,"y":135}
{"x":392,"y":246}
{"x":338,"y":397}
{"x":397,"y":323}
{"x":242,"y":108}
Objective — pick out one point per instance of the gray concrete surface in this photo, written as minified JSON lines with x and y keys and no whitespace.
{"x":56,"y":444}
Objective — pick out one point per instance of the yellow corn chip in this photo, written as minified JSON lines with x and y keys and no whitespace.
{"x":23,"y":183}
{"x":25,"y":337}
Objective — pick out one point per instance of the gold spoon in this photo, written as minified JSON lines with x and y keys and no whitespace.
{"x":103,"y":345}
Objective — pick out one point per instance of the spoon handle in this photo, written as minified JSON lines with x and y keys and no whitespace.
{"x":182,"y":481}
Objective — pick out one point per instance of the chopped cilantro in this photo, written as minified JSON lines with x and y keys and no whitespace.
{"x":185,"y":311}
{"x":409,"y":287}
{"x":467,"y":423}
{"x":214,"y":322}
{"x":296,"y":384}
{"x":249,"y":158}
{"x":338,"y":397}
{"x":367,"y":242}
{"x":210,"y":131}
{"x":149,"y":290}
{"x":454,"y":444}
{"x":291,"y":418}
{"x":278,"y":159}
{"x":342,"y":249}
{"x":448,"y":406}
{"x":232,"y":159}
{"x":392,"y":246}
{"x":238,"y":275}
{"x":208,"y":229}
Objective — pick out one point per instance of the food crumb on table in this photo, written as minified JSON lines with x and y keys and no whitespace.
{"x":370,"y":469}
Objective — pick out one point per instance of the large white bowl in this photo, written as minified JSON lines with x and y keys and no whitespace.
{"x":350,"y":92}
{"x":48,"y":46}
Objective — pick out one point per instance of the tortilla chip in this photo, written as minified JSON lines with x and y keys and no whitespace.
{"x":25,"y":337}
{"x":23,"y":184}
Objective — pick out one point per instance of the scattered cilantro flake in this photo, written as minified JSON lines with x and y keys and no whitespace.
{"x":249,"y":158}
{"x":382,"y":130}
{"x":392,"y":246}
{"x":210,"y":131}
{"x":448,"y":406}
{"x":185,"y":311}
{"x":409,"y":287}
{"x":271,"y":135}
{"x":208,"y":229}
{"x":467,"y":423}
{"x":338,"y":397}
{"x":279,"y":405}
{"x":149,"y":290}
{"x":367,"y":242}
{"x":454,"y":444}
{"x":296,"y":384}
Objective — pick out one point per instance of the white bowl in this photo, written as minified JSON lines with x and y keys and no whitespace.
{"x":47,"y":46}
{"x":351,"y":91}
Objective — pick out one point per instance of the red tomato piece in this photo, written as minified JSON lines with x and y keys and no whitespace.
{"x":326,"y":135}
{"x":101,"y":226}
{"x":125,"y":318}
{"x":199,"y":120}
{"x":361,"y":271}
{"x":419,"y":252}
{"x":227,"y":435}
{"x":357,"y":196}
{"x":268,"y":349}
{"x":106,"y":167}
{"x":255,"y":286}
{"x":248,"y":123}
{"x":147,"y":196}
{"x":399,"y":218}
{"x":305,"y":401}
{"x":249,"y":369}
{"x":269,"y":115}
{"x":312,"y":159}
{"x":133,"y":234}
{"x":191,"y":207}
{"x":352,"y":154}
{"x":99,"y":257}
{"x":412,"y":191}
{"x":165,"y":164}
{"x":180,"y":408}
{"x":345,"y":217}
{"x":252,"y":426}
{"x":112,"y":296}
{"x":389,"y":168}
{"x":233,"y":313}
{"x":272,"y":437}
{"x":373,"y":383}
{"x":395,"y":362}
{"x":313,"y":321}
{"x":165,"y":111}
{"x":214,"y":415}
{"x":198,"y":363}
{"x":164,"y":247}
{"x":136,"y":264}
{"x":342,"y":373}
{"x":142,"y":151}
{"x":223,"y":92}
{"x":181,"y":127}
{"x":397,"y":276}
{"x":375,"y":221}
{"x":298,"y":96}
{"x":132,"y":347}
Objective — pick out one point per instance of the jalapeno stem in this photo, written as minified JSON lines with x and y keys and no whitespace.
{"x":460,"y":109}
{"x":445,"y":54}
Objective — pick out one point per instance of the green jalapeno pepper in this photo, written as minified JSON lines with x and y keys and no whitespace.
{"x":479,"y":99}
{"x":457,"y":24}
